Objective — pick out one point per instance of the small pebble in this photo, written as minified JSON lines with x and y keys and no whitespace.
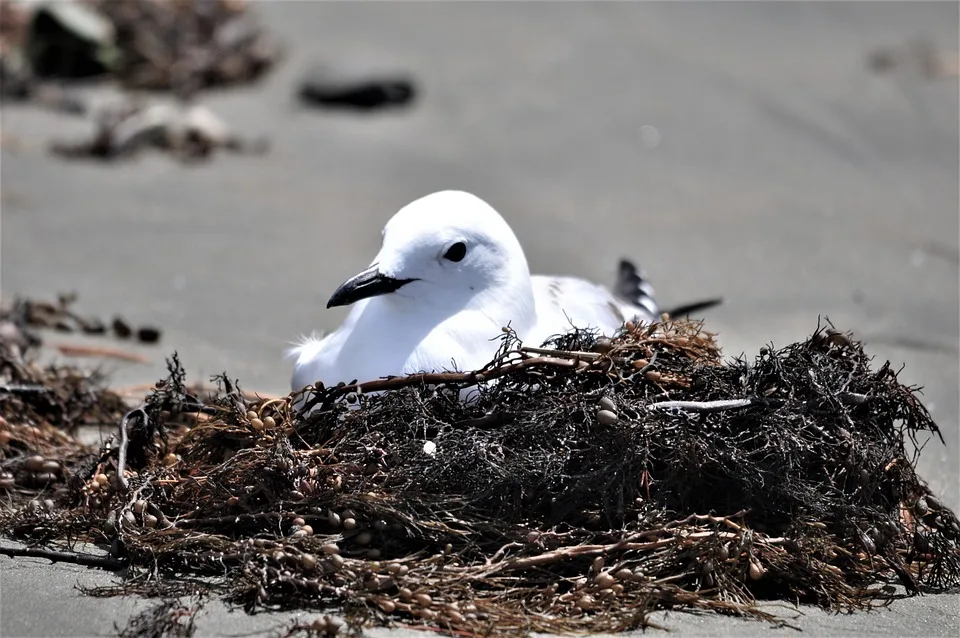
{"x":603,"y":344}
{"x":256,"y":424}
{"x":423,"y":600}
{"x":307,"y":529}
{"x":723,"y":553}
{"x":756,"y":570}
{"x":148,"y":334}
{"x":102,"y":479}
{"x":233,"y":501}
{"x":299,"y":522}
{"x":44,"y":477}
{"x":624,"y":574}
{"x":269,"y":422}
{"x":51,"y":466}
{"x":653,"y":376}
{"x":308,"y":561}
{"x":336,"y":561}
{"x":35,"y":463}
{"x":349,"y":524}
{"x":640,"y":364}
{"x":586,"y":602}
{"x":605,"y":580}
{"x":251,"y":415}
{"x":331,"y":548}
{"x":405,"y":594}
{"x":363,"y":538}
{"x":7,"y":483}
{"x":170,"y":459}
{"x":48,"y":505}
{"x":150,"y":521}
{"x":110,"y":524}
{"x":334,"y":519}
{"x":387,"y":605}
{"x":606,"y":403}
{"x":606,"y":417}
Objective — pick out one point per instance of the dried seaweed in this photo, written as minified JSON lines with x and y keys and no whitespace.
{"x":169,"y":619}
{"x":583,"y":485}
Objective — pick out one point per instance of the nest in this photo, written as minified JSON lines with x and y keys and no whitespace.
{"x":586,"y":484}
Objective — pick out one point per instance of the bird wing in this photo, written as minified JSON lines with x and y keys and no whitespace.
{"x":566,"y":302}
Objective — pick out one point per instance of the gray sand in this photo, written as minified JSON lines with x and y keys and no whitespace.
{"x":744,"y":150}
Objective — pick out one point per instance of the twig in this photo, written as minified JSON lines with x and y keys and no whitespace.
{"x":649,"y":366}
{"x":104,"y":562}
{"x":571,"y":354}
{"x":23,"y":389}
{"x":702,"y":406}
{"x":458,"y":377}
{"x":235,"y":519}
{"x":99,"y":351}
{"x":518,"y":564}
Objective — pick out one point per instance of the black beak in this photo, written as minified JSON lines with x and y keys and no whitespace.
{"x":370,"y":283}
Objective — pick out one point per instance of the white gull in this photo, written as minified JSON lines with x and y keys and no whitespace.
{"x":450,"y":275}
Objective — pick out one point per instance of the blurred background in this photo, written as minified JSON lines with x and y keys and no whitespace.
{"x":224,"y":165}
{"x":215,"y":169}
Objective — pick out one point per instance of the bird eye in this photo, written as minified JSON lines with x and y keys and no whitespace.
{"x":456,"y":252}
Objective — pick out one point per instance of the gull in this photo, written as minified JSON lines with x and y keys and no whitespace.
{"x":449,"y":277}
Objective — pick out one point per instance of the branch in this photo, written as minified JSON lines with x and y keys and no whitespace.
{"x":99,"y":351}
{"x":23,"y":389}
{"x":104,"y":562}
{"x":702,"y":406}
{"x":461,"y":377}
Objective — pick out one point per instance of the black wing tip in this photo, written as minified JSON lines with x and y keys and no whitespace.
{"x":633,"y":287}
{"x":696,"y":306}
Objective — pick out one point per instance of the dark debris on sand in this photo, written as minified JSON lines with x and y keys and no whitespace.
{"x":581,"y":489}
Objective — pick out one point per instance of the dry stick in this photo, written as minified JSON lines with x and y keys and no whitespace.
{"x":848,"y":398}
{"x":580,"y":550}
{"x":23,"y":389}
{"x":227,"y":520}
{"x":702,"y":406}
{"x":588,"y":356}
{"x":459,"y":377}
{"x":104,"y":562}
{"x":99,"y":351}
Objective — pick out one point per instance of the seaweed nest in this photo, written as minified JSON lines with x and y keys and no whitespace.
{"x":584,"y":485}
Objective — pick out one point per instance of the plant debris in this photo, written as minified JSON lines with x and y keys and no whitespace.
{"x":188,"y":132}
{"x":169,"y":619}
{"x":920,"y":56}
{"x":188,"y":45}
{"x":358,"y":89}
{"x":586,"y":484}
{"x":26,"y":314}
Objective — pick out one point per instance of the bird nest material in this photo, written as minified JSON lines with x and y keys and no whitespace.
{"x":586,"y":484}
